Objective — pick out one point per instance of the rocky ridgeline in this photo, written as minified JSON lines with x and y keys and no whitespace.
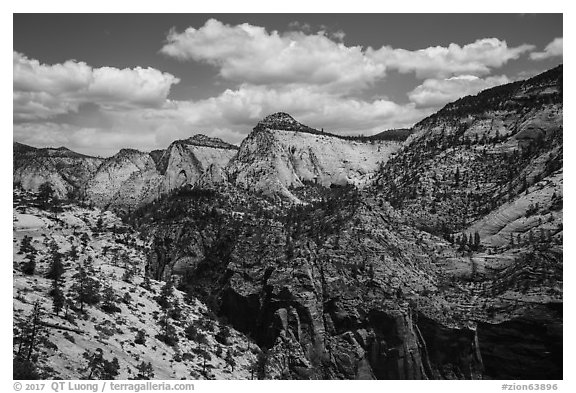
{"x":124,"y":181}
{"x":64,"y":169}
{"x":206,"y":141}
{"x":278,"y":155}
{"x":341,"y":288}
{"x":283,"y":121}
{"x":501,"y":147}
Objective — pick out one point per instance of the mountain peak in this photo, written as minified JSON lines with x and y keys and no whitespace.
{"x":279,"y":117}
{"x":204,"y":140}
{"x":127,"y":152}
{"x":283,"y":121}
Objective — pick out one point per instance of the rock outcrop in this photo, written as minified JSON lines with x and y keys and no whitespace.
{"x":126,"y":179}
{"x":186,"y":160}
{"x":479,"y":153}
{"x":280,"y":154}
{"x":66,"y":171}
{"x":335,"y":290}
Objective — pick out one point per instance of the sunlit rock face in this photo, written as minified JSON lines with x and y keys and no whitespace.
{"x":186,"y":160}
{"x":281,"y":153}
{"x":131,"y":178}
{"x":66,"y":171}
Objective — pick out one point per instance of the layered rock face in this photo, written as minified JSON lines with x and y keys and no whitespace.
{"x":479,"y":153}
{"x":491,"y":165}
{"x":281,"y":153}
{"x":65,"y":170}
{"x":186,"y":160}
{"x":125,"y":179}
{"x":132,"y":178}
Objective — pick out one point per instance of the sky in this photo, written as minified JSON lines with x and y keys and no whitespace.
{"x":97,"y":83}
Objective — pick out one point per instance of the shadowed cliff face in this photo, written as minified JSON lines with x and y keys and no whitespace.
{"x":528,"y":347}
{"x":452,"y":353}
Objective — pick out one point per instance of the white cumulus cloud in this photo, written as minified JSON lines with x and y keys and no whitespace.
{"x":553,"y":49}
{"x":43,"y":90}
{"x":438,"y":92}
{"x":476,"y":58}
{"x":250,"y":54}
{"x":246,"y":53}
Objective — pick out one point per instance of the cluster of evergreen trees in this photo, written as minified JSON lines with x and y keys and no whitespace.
{"x":471,"y":241}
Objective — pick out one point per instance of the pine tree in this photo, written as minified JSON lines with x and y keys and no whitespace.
{"x":58,"y":298}
{"x":164,"y":300}
{"x":31,"y":334}
{"x":168,"y":332}
{"x":29,"y":267}
{"x":223,"y":335}
{"x":476,"y":240}
{"x":99,"y":224}
{"x":56,"y":266}
{"x":230,"y":359}
{"x":26,"y":246}
{"x":109,"y":300}
{"x":145,"y":371}
{"x":73,"y":253}
{"x":45,"y":195}
{"x":86,"y":289}
{"x":202,"y":341}
{"x":100,"y":368}
{"x":175,"y":311}
{"x":23,"y":369}
{"x":140,"y":337}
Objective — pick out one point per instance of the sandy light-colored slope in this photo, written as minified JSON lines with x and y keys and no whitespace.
{"x":138,"y":308}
